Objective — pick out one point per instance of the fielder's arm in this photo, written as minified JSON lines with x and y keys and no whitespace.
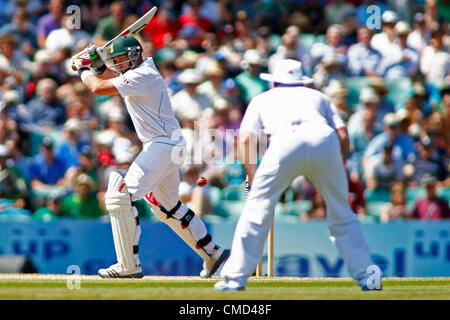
{"x":345,"y":142}
{"x":247,"y":151}
{"x":97,"y":85}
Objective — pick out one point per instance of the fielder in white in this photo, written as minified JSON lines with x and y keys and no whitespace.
{"x":156,"y":168}
{"x":309,"y":138}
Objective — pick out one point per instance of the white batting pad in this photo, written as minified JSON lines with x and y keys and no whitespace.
{"x":118,"y":204}
{"x":175,"y":225}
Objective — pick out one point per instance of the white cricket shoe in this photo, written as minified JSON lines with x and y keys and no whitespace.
{"x":210,"y":267}
{"x":116,"y":271}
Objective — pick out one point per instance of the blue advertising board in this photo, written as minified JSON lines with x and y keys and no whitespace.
{"x":402,"y":249}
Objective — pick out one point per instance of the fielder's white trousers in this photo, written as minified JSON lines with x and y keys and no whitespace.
{"x":311,"y":150}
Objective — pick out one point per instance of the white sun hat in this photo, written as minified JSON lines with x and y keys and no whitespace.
{"x":287,"y":71}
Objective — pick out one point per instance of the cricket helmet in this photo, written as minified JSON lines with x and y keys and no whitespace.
{"x":123,"y":45}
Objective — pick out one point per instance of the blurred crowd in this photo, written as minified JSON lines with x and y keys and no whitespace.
{"x":384,"y":64}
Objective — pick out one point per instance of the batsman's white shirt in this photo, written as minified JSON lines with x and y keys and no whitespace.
{"x":302,"y":123}
{"x":147,"y":101}
{"x":155,"y":169}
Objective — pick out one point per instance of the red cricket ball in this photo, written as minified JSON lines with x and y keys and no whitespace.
{"x":201,"y":182}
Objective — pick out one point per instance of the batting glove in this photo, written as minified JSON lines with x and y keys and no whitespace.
{"x":88,"y":59}
{"x":81,"y":61}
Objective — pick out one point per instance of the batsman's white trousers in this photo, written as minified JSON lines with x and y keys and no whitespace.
{"x":156,"y":169}
{"x":311,"y":149}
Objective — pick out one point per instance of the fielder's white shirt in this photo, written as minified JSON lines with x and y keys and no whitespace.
{"x":147,"y":101}
{"x":282,"y":107}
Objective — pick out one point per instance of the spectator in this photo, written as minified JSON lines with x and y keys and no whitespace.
{"x":12,"y":183}
{"x":384,"y":42}
{"x":329,"y":69}
{"x":396,"y":209}
{"x":194,"y":17}
{"x":47,"y":169}
{"x":45,"y":111}
{"x":382,"y":170}
{"x":356,"y":195}
{"x":213,"y":86}
{"x":336,"y":10}
{"x":428,"y":162}
{"x":248,"y":81}
{"x":23,"y":31}
{"x":188,"y":100}
{"x":82,"y":203}
{"x":403,"y":145}
{"x":379,"y":85}
{"x":418,"y":39}
{"x":431,"y":207}
{"x":19,"y":159}
{"x":12,"y":109}
{"x":162,"y":29}
{"x":12,"y":61}
{"x":289,"y":49}
{"x":362,"y":59}
{"x":50,"y":21}
{"x":370,"y":102}
{"x":52,"y":210}
{"x":359,"y":140}
{"x":333,"y":46}
{"x":112,"y":25}
{"x":197,"y":197}
{"x":445,"y":131}
{"x":318,"y":209}
{"x":338,"y":93}
{"x":402,"y":61}
{"x":435,"y":60}
{"x":72,"y":143}
{"x":67,"y":36}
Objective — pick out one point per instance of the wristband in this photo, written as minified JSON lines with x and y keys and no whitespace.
{"x":86,"y":74}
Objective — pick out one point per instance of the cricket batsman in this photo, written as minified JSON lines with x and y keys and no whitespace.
{"x":307,"y":137}
{"x":124,"y":71}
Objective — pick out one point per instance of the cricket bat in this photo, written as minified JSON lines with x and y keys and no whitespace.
{"x":134,"y":28}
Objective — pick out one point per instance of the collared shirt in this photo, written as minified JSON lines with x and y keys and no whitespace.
{"x":436,"y":208}
{"x":403,"y":147}
{"x":360,"y":58}
{"x":147,"y":101}
{"x":280,"y":107}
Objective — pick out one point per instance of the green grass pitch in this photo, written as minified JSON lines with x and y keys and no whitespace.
{"x":66,"y":287}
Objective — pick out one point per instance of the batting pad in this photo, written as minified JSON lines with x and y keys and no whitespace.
{"x":123,"y":224}
{"x":175,"y":225}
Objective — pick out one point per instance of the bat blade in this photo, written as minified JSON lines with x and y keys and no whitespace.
{"x":137,"y":26}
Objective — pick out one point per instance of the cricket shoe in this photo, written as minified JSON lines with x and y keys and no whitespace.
{"x":116,"y":271}
{"x":211,"y":266}
{"x":228,"y":286}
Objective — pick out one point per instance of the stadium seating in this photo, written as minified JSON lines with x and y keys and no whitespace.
{"x":354,"y":86}
{"x":399,"y":91}
{"x":373,"y":208}
{"x":414,"y":193}
{"x":444,"y":193}
{"x":233,"y":193}
{"x":377,"y":195}
{"x":296,"y":208}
